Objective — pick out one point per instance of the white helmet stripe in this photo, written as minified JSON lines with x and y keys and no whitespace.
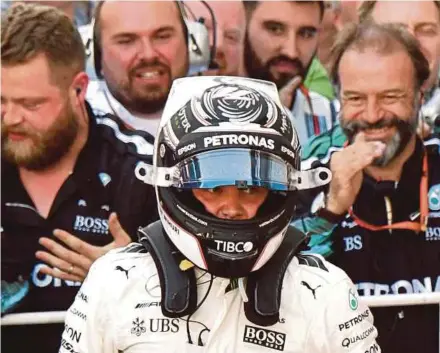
{"x":272,"y":245}
{"x":184,"y":241}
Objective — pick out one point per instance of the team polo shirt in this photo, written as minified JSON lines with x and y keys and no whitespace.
{"x":102,"y":182}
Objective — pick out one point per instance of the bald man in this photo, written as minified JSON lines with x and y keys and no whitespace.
{"x":229,"y":29}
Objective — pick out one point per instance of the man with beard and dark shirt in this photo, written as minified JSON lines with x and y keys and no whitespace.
{"x":280,"y":44}
{"x":64,"y":171}
{"x":379,"y":219}
{"x":142,"y":49}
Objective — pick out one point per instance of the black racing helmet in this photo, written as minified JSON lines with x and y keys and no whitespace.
{"x":218,"y":131}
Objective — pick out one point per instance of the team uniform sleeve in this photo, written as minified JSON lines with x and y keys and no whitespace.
{"x":320,"y":232}
{"x":344,"y":324}
{"x":87,"y":326}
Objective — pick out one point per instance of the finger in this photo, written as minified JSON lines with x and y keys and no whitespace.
{"x":60,"y":264}
{"x":89,"y":252}
{"x":292,"y":85}
{"x":69,"y":256}
{"x":119,"y":234}
{"x":356,"y":157}
{"x":366,"y":149}
{"x":359,"y":137}
{"x":62,"y":275}
{"x":286,"y":93}
{"x":376,"y":147}
{"x":373,"y":148}
{"x":363,"y":146}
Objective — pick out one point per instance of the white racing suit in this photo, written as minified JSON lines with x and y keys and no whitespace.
{"x":118,"y":310}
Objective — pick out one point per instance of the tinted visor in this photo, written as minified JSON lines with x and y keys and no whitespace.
{"x":240,"y":167}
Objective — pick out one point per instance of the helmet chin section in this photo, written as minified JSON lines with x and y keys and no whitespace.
{"x":224,"y":248}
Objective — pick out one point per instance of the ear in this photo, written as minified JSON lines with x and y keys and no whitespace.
{"x":79,"y":87}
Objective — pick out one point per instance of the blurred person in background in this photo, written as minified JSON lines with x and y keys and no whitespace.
{"x":229,"y":31}
{"x":336,"y":15}
{"x":67,"y":175}
{"x":347,"y":12}
{"x":139,"y":48}
{"x":422,"y":20}
{"x":329,"y":30}
{"x":80,"y":12}
{"x":280,"y":44}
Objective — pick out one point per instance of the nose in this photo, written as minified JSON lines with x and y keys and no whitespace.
{"x":10,"y":115}
{"x":289,"y":46}
{"x":231,"y":207}
{"x":373,"y":111}
{"x":146,"y":50}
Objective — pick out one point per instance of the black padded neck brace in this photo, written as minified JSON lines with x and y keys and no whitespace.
{"x":179,"y":288}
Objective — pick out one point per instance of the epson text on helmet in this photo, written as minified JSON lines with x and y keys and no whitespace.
{"x":186,"y":148}
{"x":288,"y":152}
{"x":232,"y":139}
{"x":233,"y":247}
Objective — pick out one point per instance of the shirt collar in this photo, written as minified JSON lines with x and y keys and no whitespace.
{"x":87,"y":163}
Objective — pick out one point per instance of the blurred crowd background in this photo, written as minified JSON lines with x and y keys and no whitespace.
{"x":296,"y":57}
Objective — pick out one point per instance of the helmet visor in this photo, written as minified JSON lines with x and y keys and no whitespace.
{"x":240,"y":167}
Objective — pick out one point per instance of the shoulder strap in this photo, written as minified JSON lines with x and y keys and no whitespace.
{"x":264,"y":286}
{"x":178,"y":288}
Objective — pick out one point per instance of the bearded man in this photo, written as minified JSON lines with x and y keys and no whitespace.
{"x":67,"y":174}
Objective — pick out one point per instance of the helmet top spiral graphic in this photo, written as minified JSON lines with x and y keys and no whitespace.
{"x":234,"y":103}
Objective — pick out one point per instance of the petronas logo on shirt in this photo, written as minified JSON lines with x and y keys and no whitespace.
{"x":352,"y":299}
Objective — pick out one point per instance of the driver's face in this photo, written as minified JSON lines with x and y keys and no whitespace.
{"x":229,"y":202}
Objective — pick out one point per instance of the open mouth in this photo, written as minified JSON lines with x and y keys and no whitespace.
{"x":377,"y":133}
{"x":16,"y":136}
{"x":150,"y":74}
